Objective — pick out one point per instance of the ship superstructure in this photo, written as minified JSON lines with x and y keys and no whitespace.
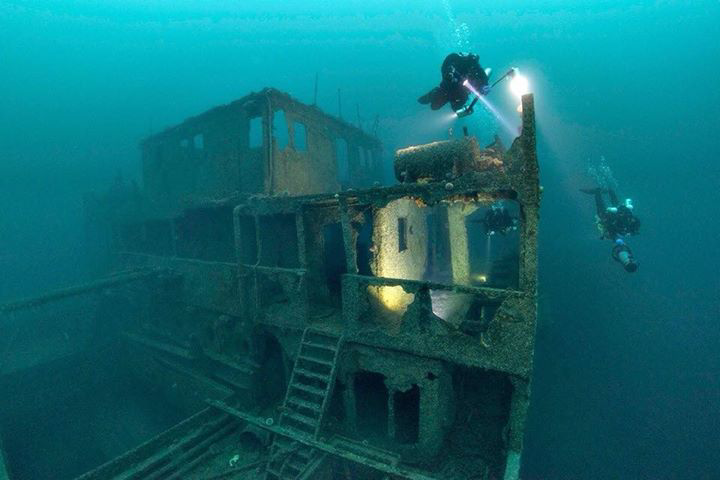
{"x":306,"y":322}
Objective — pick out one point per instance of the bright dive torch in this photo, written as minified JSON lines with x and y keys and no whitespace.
{"x":519,"y":86}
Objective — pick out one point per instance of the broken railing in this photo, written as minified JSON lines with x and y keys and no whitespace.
{"x":408,"y":305}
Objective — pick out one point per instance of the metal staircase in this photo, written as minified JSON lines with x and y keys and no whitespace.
{"x":307,"y":399}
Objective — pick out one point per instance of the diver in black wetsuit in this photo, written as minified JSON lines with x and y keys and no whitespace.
{"x":498,"y":220}
{"x":616,"y":222}
{"x":457,"y":68}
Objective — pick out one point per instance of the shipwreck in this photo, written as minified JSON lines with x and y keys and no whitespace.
{"x":287,"y":316}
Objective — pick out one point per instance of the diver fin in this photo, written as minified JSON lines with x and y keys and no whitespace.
{"x":438,"y":98}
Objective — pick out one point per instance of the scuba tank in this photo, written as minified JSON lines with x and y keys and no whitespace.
{"x":622,"y":253}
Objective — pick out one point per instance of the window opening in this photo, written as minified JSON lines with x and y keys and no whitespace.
{"x":199,"y":141}
{"x":255,"y":133}
{"x":300,"y":139}
{"x":402,"y":234}
{"x":334,"y":257}
{"x":371,"y":396}
{"x":407,"y":415}
{"x":280,"y":129}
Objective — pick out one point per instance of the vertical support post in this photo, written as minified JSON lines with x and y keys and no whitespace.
{"x":518,"y":413}
{"x":529,"y":197}
{"x":348,"y":244}
{"x":268,"y":146}
{"x":300,"y":231}
{"x":391,"y":427}
{"x":349,"y":400}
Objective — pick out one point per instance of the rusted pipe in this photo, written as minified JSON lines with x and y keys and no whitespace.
{"x":50,"y":297}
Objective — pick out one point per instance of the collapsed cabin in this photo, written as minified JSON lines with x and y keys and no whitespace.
{"x":305,"y":322}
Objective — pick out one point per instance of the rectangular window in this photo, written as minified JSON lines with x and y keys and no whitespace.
{"x":256,"y":133}
{"x":199,"y":141}
{"x":402,"y":234}
{"x":300,"y":139}
{"x":280,"y":129}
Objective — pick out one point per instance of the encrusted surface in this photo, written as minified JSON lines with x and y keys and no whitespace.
{"x":272,"y":246}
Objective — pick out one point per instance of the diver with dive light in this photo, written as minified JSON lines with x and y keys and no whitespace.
{"x":462,"y":75}
{"x":498,"y":220}
{"x":457,"y":68}
{"x":615,"y":222}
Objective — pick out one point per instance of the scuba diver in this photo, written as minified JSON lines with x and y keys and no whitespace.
{"x":616,"y":222}
{"x":456,"y":69}
{"x":498,"y":220}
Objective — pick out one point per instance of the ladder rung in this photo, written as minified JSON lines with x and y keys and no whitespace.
{"x":300,"y":418}
{"x":319,"y":361}
{"x":288,"y":447}
{"x":309,"y":374}
{"x":321,"y":346}
{"x":307,"y":405}
{"x":309,"y":389}
{"x":321,"y":334}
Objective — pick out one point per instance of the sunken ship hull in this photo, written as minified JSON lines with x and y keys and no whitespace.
{"x":298,"y":319}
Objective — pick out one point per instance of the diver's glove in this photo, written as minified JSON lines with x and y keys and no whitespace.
{"x":485,"y":89}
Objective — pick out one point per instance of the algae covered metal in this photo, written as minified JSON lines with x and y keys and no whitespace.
{"x":320,"y":325}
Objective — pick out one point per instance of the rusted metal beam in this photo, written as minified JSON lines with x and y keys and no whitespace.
{"x":113,"y":281}
{"x":398,"y":471}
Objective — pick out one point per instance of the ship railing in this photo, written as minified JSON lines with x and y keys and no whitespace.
{"x":395,"y":304}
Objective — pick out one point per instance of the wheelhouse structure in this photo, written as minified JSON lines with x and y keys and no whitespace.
{"x":313,"y":324}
